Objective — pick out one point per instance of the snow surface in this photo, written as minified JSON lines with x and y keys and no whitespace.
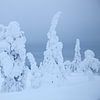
{"x":79,"y":87}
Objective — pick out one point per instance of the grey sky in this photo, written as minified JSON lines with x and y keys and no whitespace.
{"x":80,"y":18}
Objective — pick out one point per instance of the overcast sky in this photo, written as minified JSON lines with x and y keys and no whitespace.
{"x":79,"y":19}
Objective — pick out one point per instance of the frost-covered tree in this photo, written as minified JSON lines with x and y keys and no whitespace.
{"x":52,"y":66}
{"x":33,"y":75}
{"x":90,"y":64}
{"x":67,"y":66}
{"x":77,"y":57}
{"x":12,"y":57}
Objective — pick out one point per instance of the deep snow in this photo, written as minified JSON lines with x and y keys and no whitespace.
{"x":78,"y":87}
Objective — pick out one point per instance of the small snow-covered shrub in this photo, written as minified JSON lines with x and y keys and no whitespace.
{"x":90,"y":63}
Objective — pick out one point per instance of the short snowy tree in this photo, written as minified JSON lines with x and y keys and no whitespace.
{"x":52,"y":66}
{"x":67,"y":66}
{"x":33,"y":75}
{"x":90,"y":64}
{"x":77,"y":58}
{"x":12,"y":57}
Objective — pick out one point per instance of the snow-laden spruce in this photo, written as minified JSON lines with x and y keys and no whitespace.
{"x":73,"y":66}
{"x":52,"y":66}
{"x":12,"y":57}
{"x":77,"y":57}
{"x":90,"y":64}
{"x":34,"y":74}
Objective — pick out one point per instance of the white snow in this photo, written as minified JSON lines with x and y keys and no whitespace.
{"x":6,"y":62}
{"x":79,"y":87}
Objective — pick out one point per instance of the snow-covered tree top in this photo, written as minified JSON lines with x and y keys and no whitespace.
{"x":12,"y":30}
{"x":77,"y":46}
{"x":12,"y":49}
{"x":32,"y":61}
{"x":89,"y":54}
{"x":54,"y":23}
{"x":54,"y":46}
{"x":77,"y":51}
{"x":12,"y":34}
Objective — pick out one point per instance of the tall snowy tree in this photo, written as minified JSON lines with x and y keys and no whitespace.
{"x":77,"y":57}
{"x":34,"y":74}
{"x":12,"y":57}
{"x":52,"y":66}
{"x":90,"y":64}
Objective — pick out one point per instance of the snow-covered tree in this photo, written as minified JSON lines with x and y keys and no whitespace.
{"x":77,"y":57}
{"x":52,"y":66}
{"x":12,"y":57}
{"x":90,"y":64}
{"x":33,"y":75}
{"x":67,"y":66}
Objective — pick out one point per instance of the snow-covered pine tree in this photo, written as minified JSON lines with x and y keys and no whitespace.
{"x":75,"y":67}
{"x":90,"y":64}
{"x":52,"y":66}
{"x":12,"y":57}
{"x":33,"y":75}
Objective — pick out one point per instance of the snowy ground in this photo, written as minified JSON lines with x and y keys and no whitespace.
{"x":78,"y":87}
